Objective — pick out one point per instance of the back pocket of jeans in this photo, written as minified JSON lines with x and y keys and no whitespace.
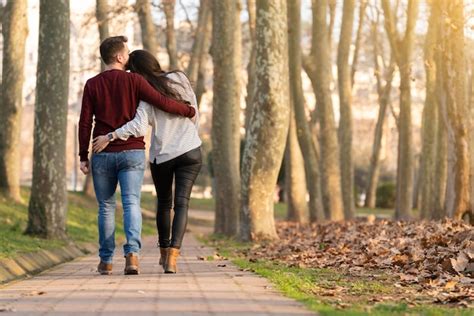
{"x":99,"y":164}
{"x":135,"y":160}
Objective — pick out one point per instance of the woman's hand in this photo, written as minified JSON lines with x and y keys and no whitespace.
{"x":100,"y":142}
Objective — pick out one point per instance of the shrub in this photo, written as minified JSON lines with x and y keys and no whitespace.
{"x":386,"y":195}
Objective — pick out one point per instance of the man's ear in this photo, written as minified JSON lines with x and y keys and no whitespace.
{"x":120,"y":59}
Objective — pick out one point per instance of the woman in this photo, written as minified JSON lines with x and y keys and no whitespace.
{"x":175,"y":151}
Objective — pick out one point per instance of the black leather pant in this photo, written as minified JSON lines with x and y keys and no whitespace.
{"x":184,"y":169}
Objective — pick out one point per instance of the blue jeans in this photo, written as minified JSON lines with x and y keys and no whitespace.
{"x":108,"y":169}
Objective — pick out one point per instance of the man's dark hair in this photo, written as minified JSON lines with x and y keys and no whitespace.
{"x":110,"y":47}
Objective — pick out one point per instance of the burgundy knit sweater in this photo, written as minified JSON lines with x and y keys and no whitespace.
{"x":111,"y":98}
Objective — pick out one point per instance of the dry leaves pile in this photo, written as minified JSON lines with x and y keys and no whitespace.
{"x":438,"y":257}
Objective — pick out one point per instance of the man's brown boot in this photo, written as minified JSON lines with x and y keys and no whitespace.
{"x":104,"y":268}
{"x":131,"y":264}
{"x":164,"y":255}
{"x":170,"y":266}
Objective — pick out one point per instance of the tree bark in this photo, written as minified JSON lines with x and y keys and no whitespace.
{"x":430,"y":119}
{"x":15,"y":31}
{"x":203,"y":62}
{"x":168,"y":8}
{"x":345,"y":104}
{"x":355,"y":56}
{"x":204,"y":19}
{"x":268,"y":127}
{"x":251,"y":8}
{"x":226,"y":114}
{"x":148,"y":31}
{"x":101,"y":12}
{"x":383,"y":91}
{"x":331,"y":176}
{"x":295,"y":182}
{"x":402,"y":50}
{"x":48,"y":202}
{"x":311,"y":158}
{"x":452,"y":39}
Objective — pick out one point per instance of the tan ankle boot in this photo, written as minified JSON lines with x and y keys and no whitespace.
{"x":131,"y":264}
{"x":164,"y":256}
{"x":170,"y":266}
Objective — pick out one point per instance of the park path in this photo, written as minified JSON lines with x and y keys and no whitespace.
{"x":199,"y":288}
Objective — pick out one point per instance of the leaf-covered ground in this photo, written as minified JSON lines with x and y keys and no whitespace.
{"x":427,"y":262}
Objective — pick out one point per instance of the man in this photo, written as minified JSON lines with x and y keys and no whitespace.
{"x":111,"y":98}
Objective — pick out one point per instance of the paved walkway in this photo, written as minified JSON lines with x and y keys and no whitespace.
{"x":200,"y":288}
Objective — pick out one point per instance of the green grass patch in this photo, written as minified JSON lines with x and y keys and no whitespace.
{"x":81,"y":225}
{"x":313,"y":287}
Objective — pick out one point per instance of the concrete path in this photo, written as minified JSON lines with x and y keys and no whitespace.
{"x":199,"y":288}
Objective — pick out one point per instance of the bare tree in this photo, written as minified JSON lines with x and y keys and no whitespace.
{"x":331,"y":176}
{"x":402,"y":48}
{"x":308,"y":148}
{"x":226,"y":54}
{"x":430,"y":117}
{"x":251,"y":8}
{"x":355,"y":56}
{"x":196,"y":69}
{"x":149,"y":38}
{"x":268,"y":127}
{"x":455,"y":108}
{"x":168,"y":8}
{"x":345,"y":104}
{"x":48,"y":202}
{"x":295,"y":182}
{"x":198,"y":44}
{"x":15,"y":31}
{"x":382,"y":73}
{"x":203,"y":63}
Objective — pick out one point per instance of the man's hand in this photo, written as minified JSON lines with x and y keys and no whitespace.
{"x":85,"y":167}
{"x":100,"y":142}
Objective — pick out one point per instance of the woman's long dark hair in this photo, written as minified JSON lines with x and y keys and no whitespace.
{"x":145,"y":64}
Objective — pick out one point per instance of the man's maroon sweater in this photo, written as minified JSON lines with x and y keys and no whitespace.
{"x":112,"y":98}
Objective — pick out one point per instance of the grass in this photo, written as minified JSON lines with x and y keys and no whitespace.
{"x":81,"y":225}
{"x":311,"y":286}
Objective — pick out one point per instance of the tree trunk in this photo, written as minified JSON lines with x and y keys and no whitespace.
{"x":355,"y":57}
{"x":226,"y":114}
{"x":383,"y":92}
{"x":251,"y":8}
{"x":203,"y":61}
{"x":268,"y":126}
{"x":345,"y":106}
{"x":311,"y":164}
{"x":452,"y":39}
{"x":204,"y":19}
{"x":295,"y":183}
{"x":402,"y":50}
{"x":430,"y":119}
{"x":15,"y":31}
{"x":329,"y":145}
{"x":48,"y":202}
{"x":148,"y":31}
{"x":101,"y":11}
{"x":168,"y":8}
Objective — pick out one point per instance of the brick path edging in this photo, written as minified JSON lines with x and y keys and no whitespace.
{"x":34,"y":262}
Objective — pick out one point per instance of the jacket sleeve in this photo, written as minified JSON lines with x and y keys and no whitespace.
{"x":148,"y":94}
{"x":85,"y":123}
{"x":138,"y":126}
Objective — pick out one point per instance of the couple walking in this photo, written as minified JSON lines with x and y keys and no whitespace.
{"x":123,"y":104}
